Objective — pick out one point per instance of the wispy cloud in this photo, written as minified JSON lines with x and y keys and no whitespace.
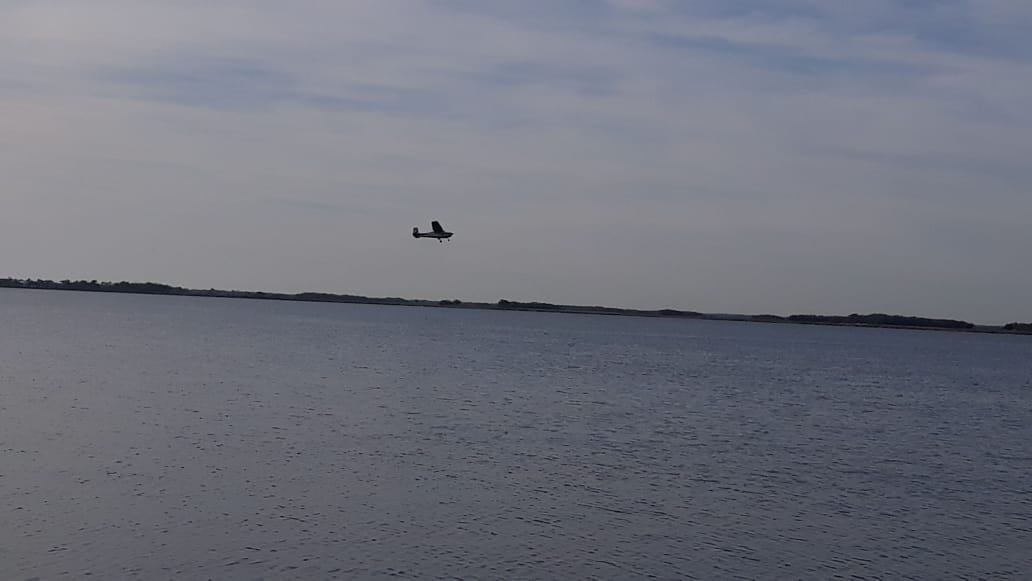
{"x":244,"y":85}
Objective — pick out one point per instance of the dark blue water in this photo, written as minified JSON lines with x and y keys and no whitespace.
{"x":169,"y":437}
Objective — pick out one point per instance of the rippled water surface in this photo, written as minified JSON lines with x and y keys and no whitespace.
{"x":171,"y":437}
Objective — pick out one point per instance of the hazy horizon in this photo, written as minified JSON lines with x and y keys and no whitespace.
{"x":766,"y":157}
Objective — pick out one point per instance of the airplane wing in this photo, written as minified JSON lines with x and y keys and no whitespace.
{"x":436,"y":227}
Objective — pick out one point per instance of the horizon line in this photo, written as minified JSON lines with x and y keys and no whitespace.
{"x":854,"y":319}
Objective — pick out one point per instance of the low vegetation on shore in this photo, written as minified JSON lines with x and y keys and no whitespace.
{"x":854,"y":320}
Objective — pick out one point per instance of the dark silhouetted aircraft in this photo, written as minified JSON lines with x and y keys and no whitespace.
{"x":435,"y":232}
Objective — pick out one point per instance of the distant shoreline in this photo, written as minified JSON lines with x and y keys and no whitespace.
{"x":875,"y":320}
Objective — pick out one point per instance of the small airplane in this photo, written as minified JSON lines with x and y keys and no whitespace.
{"x":435,"y":232}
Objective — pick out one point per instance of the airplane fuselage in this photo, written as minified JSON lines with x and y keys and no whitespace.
{"x":438,"y":235}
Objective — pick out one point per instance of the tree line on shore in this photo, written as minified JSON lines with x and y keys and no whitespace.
{"x":882,"y":320}
{"x":855,"y":319}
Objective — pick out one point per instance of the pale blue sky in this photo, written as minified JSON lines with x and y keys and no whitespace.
{"x":755,"y":156}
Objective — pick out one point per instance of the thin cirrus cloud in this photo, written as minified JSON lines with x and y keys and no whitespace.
{"x":791,"y":156}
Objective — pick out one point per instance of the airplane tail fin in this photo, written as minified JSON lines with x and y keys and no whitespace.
{"x":415,"y":231}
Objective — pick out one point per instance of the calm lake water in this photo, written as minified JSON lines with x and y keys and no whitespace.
{"x":192,"y":438}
